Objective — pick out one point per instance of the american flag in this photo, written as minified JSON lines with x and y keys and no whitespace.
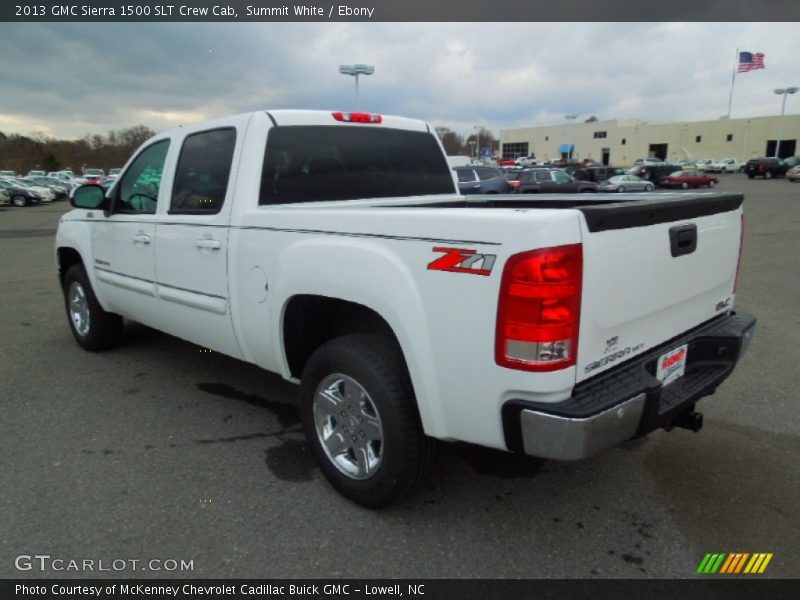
{"x":749,"y":61}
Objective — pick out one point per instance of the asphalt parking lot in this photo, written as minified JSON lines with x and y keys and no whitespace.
{"x":158,"y":449}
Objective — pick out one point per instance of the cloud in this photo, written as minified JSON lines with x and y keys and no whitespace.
{"x":69,"y":79}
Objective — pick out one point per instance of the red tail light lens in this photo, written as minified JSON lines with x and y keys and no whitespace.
{"x":539,"y":308}
{"x":514,"y":183}
{"x":357,"y":117}
{"x":739,"y":261}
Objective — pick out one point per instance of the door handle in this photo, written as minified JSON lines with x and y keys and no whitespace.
{"x":141,"y":238}
{"x":208,"y":244}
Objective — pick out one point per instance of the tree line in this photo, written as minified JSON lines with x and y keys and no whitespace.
{"x":21,"y":153}
{"x":456,"y":144}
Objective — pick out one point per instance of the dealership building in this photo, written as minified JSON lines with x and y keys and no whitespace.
{"x":620,"y":143}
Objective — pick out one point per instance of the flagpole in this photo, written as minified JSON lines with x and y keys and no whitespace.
{"x":733,"y":80}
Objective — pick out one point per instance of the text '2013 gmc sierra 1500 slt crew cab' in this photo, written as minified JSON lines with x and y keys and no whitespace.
{"x":335,"y":250}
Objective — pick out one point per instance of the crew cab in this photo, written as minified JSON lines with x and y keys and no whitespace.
{"x":334,"y":249}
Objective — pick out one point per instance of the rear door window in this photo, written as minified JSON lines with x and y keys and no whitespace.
{"x":485,"y":173}
{"x":465,"y":175}
{"x":314,"y":163}
{"x":204,"y":167}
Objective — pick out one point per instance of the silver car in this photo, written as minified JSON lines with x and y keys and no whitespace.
{"x":625,"y":183}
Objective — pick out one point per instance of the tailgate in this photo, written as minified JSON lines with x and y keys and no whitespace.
{"x":653,"y":268}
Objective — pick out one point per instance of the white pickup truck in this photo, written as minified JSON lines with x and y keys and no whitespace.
{"x":334,"y":249}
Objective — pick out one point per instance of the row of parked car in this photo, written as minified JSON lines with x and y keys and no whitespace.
{"x":39,"y":187}
{"x":645,"y":175}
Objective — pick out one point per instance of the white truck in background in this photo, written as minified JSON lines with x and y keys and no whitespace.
{"x":333,"y":248}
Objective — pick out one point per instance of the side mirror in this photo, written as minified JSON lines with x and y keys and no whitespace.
{"x":89,"y":196}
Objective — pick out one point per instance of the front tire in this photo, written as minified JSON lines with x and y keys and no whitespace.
{"x":685,"y":186}
{"x":361,"y":422}
{"x":94,"y":328}
{"x":19,"y":201}
{"x":712,"y":184}
{"x":648,"y":188}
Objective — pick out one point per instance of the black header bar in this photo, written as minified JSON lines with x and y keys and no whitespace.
{"x":403,"y":10}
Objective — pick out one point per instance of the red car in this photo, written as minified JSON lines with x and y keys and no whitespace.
{"x":687,"y":179}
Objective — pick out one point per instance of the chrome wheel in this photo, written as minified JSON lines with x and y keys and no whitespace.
{"x":348,"y":426}
{"x":79,"y":308}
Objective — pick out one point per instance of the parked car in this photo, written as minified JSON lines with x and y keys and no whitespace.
{"x":557,"y":330}
{"x":793,"y":174}
{"x":766,"y":168}
{"x":481,"y":180}
{"x":555,"y":181}
{"x":5,"y":197}
{"x":114,"y":172}
{"x":650,"y":160}
{"x":594,"y":173}
{"x":35,"y":174}
{"x":525,"y":161}
{"x":625,"y":183}
{"x":61,"y":189}
{"x":506,"y":162}
{"x":653,"y":172}
{"x":7,"y":173}
{"x":703,"y":164}
{"x":687,"y":179}
{"x":20,"y":196}
{"x":726,"y":165}
{"x":43,"y":193}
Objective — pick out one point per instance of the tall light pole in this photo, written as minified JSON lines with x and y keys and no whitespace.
{"x":782,"y":92}
{"x":477,"y":128}
{"x":355,"y":71}
{"x":570,"y":119}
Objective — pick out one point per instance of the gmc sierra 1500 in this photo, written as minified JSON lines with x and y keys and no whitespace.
{"x":334,"y":249}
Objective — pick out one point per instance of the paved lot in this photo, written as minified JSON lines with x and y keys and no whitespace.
{"x":159,"y":450}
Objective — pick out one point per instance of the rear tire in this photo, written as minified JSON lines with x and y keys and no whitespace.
{"x":685,"y":186}
{"x":94,"y":328}
{"x":648,"y":188}
{"x":621,"y":189}
{"x":361,"y":422}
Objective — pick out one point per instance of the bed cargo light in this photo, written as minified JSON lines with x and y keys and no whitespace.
{"x":538,"y":310}
{"x":357,"y":117}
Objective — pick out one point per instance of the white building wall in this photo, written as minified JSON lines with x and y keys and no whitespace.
{"x":628,"y":140}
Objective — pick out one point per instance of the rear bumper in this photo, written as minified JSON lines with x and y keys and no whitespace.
{"x":628,"y":401}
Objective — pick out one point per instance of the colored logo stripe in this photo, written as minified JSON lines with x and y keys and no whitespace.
{"x":734,"y":563}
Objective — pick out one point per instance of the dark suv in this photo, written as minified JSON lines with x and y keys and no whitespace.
{"x":653,"y":172}
{"x":551,"y":181}
{"x":766,"y":168}
{"x":596,"y":174}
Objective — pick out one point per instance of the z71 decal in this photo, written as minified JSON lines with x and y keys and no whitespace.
{"x":459,"y":260}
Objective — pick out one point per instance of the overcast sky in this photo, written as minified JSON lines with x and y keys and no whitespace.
{"x":66,"y":80}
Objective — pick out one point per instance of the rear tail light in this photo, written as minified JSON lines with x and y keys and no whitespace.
{"x":515,"y":183}
{"x":739,"y":261}
{"x":539,"y":309}
{"x":357,"y":117}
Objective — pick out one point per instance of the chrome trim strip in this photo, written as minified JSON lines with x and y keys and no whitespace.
{"x":134,"y":284}
{"x":564,"y":438}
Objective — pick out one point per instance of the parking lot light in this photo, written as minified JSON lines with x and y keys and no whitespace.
{"x":782,"y":92}
{"x":355,"y":71}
